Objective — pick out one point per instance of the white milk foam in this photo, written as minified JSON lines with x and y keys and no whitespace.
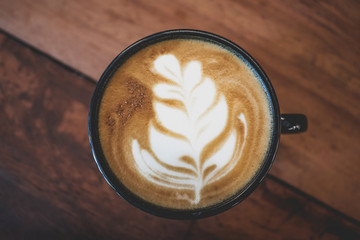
{"x":199,"y":116}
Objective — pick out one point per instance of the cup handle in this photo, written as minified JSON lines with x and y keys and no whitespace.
{"x":293,"y":123}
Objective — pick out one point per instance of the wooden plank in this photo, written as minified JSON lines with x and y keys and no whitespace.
{"x":52,"y":189}
{"x":50,"y":185}
{"x":307,"y":48}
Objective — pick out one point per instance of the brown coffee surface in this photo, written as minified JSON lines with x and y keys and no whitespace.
{"x":133,"y":128}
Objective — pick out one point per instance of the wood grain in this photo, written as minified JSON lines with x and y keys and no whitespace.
{"x":52,"y":189}
{"x":308,"y":49}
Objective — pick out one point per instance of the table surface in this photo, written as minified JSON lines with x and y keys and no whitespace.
{"x":53,"y":52}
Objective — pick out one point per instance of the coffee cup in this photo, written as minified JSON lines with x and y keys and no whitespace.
{"x":185,"y":124}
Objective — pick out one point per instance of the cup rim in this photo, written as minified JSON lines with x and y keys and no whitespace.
{"x":110,"y":176}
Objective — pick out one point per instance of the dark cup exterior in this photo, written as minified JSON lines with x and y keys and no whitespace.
{"x":109,"y":175}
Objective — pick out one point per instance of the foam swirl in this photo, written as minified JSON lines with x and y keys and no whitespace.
{"x":190,"y":114}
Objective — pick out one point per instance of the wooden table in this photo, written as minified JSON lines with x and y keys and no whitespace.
{"x":53,"y":52}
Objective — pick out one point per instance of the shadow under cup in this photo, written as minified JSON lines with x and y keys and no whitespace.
{"x":109,"y":175}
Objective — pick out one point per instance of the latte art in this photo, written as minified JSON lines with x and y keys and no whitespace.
{"x":184,"y":124}
{"x":191,"y":114}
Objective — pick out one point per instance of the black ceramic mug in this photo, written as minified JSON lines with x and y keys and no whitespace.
{"x":281,"y":123}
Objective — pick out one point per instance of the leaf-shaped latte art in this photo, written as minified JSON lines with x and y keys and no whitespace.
{"x":174,"y":160}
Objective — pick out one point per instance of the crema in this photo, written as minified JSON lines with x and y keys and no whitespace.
{"x":185,"y":123}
